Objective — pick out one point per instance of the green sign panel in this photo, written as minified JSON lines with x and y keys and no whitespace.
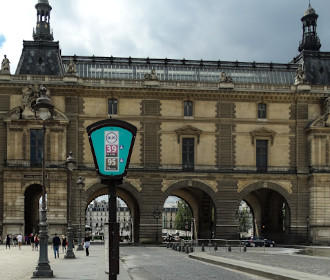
{"x":111,"y":142}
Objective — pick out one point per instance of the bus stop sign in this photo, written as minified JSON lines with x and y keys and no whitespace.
{"x":111,"y":142}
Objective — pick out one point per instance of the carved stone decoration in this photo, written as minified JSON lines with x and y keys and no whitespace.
{"x":151,"y":76}
{"x":188,"y":130}
{"x":286,"y":185}
{"x":136,"y":183}
{"x":72,"y":68}
{"x":166,"y":184}
{"x":151,"y":79}
{"x":300,"y":78}
{"x":5,"y":66}
{"x":262,"y":133}
{"x":224,"y":78}
{"x":226,"y":81}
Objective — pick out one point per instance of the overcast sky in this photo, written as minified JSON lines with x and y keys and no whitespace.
{"x":245,"y":30}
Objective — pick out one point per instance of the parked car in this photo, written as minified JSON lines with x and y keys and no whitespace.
{"x":258,"y":242}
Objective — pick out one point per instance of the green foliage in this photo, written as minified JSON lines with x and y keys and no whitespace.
{"x":245,"y":219}
{"x":183,"y":216}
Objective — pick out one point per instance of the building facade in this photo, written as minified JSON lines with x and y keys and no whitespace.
{"x":213,"y":133}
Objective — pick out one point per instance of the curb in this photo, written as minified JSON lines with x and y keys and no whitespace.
{"x":257,"y":269}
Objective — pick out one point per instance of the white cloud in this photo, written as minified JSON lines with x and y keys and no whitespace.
{"x":210,"y":29}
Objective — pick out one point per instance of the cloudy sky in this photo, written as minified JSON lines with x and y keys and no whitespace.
{"x":245,"y":30}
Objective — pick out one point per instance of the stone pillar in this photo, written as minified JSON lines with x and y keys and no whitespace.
{"x":227,"y":226}
{"x":152,"y":198}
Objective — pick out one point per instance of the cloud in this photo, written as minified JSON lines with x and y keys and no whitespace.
{"x":245,"y":30}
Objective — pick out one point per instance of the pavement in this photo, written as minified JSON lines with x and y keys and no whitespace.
{"x":270,"y":263}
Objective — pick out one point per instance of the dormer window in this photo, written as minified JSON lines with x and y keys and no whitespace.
{"x":112,"y":106}
{"x":188,"y":108}
{"x":262,"y":111}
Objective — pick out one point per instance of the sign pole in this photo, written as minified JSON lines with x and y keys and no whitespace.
{"x":113,"y":229}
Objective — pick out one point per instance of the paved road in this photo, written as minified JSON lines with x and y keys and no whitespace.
{"x":154,"y":263}
{"x":138,"y":263}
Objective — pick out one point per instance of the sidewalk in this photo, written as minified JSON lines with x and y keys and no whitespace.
{"x":274,"y":263}
{"x":19,"y":265}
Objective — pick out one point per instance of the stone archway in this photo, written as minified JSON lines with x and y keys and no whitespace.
{"x":200,"y":197}
{"x":271,"y":207}
{"x":32,"y":196}
{"x":127,"y":193}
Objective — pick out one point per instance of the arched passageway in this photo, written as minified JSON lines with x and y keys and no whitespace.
{"x":128,"y":214}
{"x":271,"y":214}
{"x":32,"y":197}
{"x":202,"y":206}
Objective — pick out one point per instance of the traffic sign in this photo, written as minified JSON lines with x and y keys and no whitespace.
{"x":111,"y":142}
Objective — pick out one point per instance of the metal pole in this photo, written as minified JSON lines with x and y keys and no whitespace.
{"x":113,"y":232}
{"x":43,"y":269}
{"x":80,"y":247}
{"x":69,"y":253}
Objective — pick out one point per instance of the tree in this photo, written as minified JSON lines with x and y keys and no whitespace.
{"x":183,"y":216}
{"x":245,"y":218}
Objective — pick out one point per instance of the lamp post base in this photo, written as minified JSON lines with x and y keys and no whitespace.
{"x":69,"y":252}
{"x":43,"y":271}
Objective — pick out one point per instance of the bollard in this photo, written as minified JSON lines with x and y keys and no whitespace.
{"x":203,"y":249}
{"x":187,"y":250}
{"x":244,"y":248}
{"x":215,"y":247}
{"x":191,"y":249}
{"x":168,"y":245}
{"x":229,"y":248}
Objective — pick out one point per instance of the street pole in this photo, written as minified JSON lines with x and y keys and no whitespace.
{"x":113,"y":230}
{"x":81,"y":185}
{"x":43,"y":270}
{"x":69,"y":165}
{"x":156,"y":213}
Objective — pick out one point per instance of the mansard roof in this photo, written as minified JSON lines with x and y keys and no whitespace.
{"x":181,"y":70}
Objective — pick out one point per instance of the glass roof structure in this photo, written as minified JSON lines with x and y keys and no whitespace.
{"x":115,"y":68}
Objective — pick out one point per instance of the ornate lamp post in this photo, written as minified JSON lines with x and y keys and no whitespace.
{"x":157,"y":214}
{"x":70,"y":164}
{"x":81,"y":185}
{"x":44,"y":108}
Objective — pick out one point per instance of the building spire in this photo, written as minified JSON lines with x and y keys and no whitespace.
{"x":310,"y":40}
{"x":42,"y":31}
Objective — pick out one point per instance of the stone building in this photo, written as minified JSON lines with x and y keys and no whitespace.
{"x":211,"y":132}
{"x":97,"y":213}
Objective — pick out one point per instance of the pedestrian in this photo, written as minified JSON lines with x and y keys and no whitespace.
{"x":36,"y":242}
{"x":19,"y":241}
{"x":15,"y":240}
{"x":87,"y":243}
{"x":56,"y":245}
{"x":64,"y":243}
{"x":8,"y":240}
{"x":32,"y":241}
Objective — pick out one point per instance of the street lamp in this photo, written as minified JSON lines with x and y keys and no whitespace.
{"x":157,"y":214}
{"x":45,"y":108}
{"x":70,"y":165}
{"x":81,"y":186}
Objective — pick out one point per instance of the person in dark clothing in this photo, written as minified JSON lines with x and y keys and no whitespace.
{"x":87,"y":243}
{"x":8,"y":241}
{"x":56,"y":245}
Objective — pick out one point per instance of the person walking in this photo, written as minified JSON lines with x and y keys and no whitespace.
{"x":32,"y":241}
{"x":8,"y":241}
{"x":56,"y":245}
{"x":64,"y":243}
{"x":87,"y":243}
{"x":36,"y":242}
{"x":19,"y":241}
